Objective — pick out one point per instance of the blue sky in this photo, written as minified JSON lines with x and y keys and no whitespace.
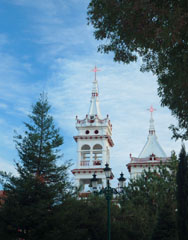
{"x":48,"y":46}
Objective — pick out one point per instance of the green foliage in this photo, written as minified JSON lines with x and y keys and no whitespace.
{"x":182,"y":195}
{"x":81,"y":219}
{"x":144,"y":199}
{"x":40,"y":185}
{"x":165,"y":228}
{"x":156,"y":31}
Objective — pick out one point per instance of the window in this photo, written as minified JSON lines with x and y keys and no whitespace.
{"x":85,"y":155}
{"x":97,"y":154}
{"x":97,"y":146}
{"x":85,"y":147}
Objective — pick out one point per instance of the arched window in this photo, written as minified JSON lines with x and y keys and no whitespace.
{"x":85,"y":147}
{"x":85,"y":155}
{"x":97,"y":154}
{"x":97,"y":146}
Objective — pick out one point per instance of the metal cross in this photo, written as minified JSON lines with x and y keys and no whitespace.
{"x":95,"y":70}
{"x":151,"y":109}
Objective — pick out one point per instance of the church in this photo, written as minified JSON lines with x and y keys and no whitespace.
{"x":94,"y":142}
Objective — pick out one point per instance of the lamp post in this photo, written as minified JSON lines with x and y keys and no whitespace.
{"x":121,"y":180}
{"x":108,"y":192}
{"x":94,"y":183}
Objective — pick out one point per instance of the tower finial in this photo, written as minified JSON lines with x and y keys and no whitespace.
{"x":95,"y":70}
{"x":151,"y":109}
{"x":151,"y":126}
{"x":94,"y":103}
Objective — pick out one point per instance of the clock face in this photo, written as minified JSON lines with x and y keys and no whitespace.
{"x":96,"y":132}
{"x":87,"y":131}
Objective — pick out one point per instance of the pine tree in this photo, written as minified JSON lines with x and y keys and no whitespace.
{"x":32,"y":197}
{"x":182,"y":195}
{"x":165,"y":228}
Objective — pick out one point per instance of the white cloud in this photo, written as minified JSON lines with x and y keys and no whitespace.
{"x":6,"y":166}
{"x":2,"y":121}
{"x":3,"y":106}
{"x":44,"y":5}
{"x":3,"y":40}
{"x":59,"y":28}
{"x":15,"y":88}
{"x":49,"y":8}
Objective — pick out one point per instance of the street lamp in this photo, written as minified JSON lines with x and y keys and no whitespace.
{"x":108,"y":192}
{"x":121,"y":180}
{"x":107,"y":171}
{"x":94,"y":183}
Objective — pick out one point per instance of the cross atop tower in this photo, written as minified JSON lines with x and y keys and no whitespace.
{"x":95,"y":70}
{"x":151,"y":126}
{"x":151,"y":109}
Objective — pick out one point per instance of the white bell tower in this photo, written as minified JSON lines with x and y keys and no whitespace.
{"x":151,"y":156}
{"x":93,"y":143}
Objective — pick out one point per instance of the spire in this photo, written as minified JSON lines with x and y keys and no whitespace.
{"x":152,"y":145}
{"x":151,"y":125}
{"x":94,"y":108}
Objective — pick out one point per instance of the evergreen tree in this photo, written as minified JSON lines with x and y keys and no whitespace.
{"x":79,"y":219}
{"x":182,"y":195}
{"x":32,"y":197}
{"x":165,"y":228}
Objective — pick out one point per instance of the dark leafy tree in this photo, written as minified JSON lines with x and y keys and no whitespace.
{"x":182,"y":195}
{"x":156,"y":31}
{"x":32,"y":196}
